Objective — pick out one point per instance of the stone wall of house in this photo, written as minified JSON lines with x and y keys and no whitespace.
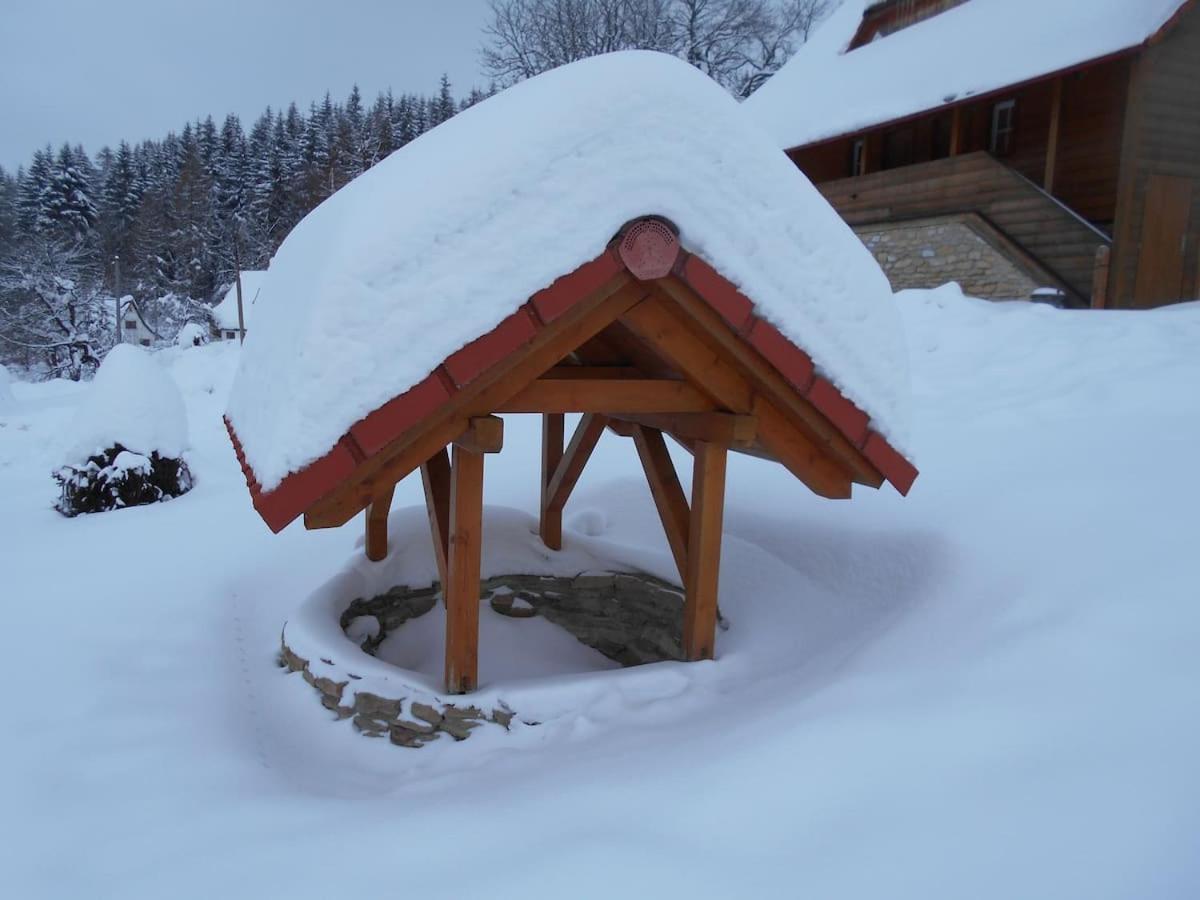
{"x":927,"y":253}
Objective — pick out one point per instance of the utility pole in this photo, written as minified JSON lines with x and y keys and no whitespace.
{"x":117,"y":291}
{"x":237,"y":268}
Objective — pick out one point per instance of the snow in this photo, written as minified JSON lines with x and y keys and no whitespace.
{"x":985,"y":690}
{"x":225,"y":313}
{"x":437,"y":244}
{"x":191,"y":335}
{"x":133,"y":402}
{"x":7,"y":400}
{"x":982,"y":46}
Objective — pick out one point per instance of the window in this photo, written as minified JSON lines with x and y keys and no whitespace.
{"x":230,"y":335}
{"x":130,"y":324}
{"x":858,"y":157}
{"x":1003,"y":118}
{"x":145,"y":342}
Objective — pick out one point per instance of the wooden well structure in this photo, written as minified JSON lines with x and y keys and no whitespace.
{"x":646,"y":340}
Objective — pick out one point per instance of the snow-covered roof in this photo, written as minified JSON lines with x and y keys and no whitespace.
{"x":981,"y":46}
{"x":128,"y":303}
{"x":132,"y":402}
{"x":439,"y":243}
{"x":225,"y":313}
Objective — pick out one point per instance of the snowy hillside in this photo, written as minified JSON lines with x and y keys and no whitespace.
{"x":988,"y":689}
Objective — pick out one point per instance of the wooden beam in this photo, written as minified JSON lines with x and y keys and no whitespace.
{"x":676,"y":338}
{"x":1052,"y":142}
{"x":1100,"y":277}
{"x":668,"y":496}
{"x":550,"y":523}
{"x":764,"y":379}
{"x":588,"y":371}
{"x":726,"y":429}
{"x":704,"y":551}
{"x":376,"y":538}
{"x":485,"y":395}
{"x":484,"y":434}
{"x":570,"y":467}
{"x":435,"y":478}
{"x":591,"y":395}
{"x":462,"y":571}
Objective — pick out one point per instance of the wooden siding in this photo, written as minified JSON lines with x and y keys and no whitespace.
{"x":976,"y":183}
{"x":1161,"y":138}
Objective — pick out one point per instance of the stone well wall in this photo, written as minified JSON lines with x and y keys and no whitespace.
{"x":927,"y":253}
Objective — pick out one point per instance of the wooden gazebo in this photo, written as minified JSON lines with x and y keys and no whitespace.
{"x":645,"y":340}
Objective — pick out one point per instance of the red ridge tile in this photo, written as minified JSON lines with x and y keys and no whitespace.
{"x":894,"y":467}
{"x":734,"y":307}
{"x":560,"y":296}
{"x":385,"y":424}
{"x":793,"y":363}
{"x":846,"y":417}
{"x":484,"y":352}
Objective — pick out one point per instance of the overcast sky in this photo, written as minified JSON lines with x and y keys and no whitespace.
{"x":95,"y":72}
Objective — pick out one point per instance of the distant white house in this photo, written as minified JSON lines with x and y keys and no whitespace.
{"x":134,"y":329}
{"x":225,"y":313}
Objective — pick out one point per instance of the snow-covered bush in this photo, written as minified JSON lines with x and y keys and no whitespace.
{"x":193,"y":334}
{"x":132,"y":434}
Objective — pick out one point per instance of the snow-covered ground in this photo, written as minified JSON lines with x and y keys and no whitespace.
{"x":990,"y":689}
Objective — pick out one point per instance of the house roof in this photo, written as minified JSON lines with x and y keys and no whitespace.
{"x":970,"y":50}
{"x":225,"y":313}
{"x":410,"y":282}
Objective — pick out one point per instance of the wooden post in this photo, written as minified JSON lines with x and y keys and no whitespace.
{"x":956,"y":123}
{"x":1100,"y":277}
{"x":376,"y":518}
{"x":1052,"y":143}
{"x":462,"y":571}
{"x":553,"y":431}
{"x":704,"y":551}
{"x":435,"y":479}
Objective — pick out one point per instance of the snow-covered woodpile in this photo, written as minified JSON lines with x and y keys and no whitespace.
{"x":129,"y":443}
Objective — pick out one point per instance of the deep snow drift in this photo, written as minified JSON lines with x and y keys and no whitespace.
{"x":987,"y":689}
{"x":439,"y":243}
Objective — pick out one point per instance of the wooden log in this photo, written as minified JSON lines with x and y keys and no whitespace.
{"x":376,"y":538}
{"x":594,"y":395}
{"x":668,"y":496}
{"x":704,"y":551}
{"x":550,"y":523}
{"x":1100,"y":277}
{"x":435,"y":478}
{"x":462,"y":571}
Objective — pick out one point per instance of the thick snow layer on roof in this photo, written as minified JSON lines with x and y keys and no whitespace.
{"x":981,"y":46}
{"x":441,"y":241}
{"x":132,"y":402}
{"x":225,"y":313}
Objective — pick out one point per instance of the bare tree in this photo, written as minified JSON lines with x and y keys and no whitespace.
{"x":739,"y":43}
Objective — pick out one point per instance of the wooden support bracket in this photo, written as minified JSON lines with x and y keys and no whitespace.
{"x":376,"y":538}
{"x":435,"y":478}
{"x":668,"y":496}
{"x":484,"y":434}
{"x":567,"y":472}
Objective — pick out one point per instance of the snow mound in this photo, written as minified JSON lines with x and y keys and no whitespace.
{"x":7,"y":400}
{"x":440,"y":242}
{"x":193,"y":334}
{"x":133,"y":403}
{"x":981,"y":46}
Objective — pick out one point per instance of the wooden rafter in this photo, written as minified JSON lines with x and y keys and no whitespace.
{"x":706,"y":366}
{"x":761,"y":378}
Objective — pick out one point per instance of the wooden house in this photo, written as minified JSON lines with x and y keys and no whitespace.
{"x":134,"y":328}
{"x":1019,"y":143}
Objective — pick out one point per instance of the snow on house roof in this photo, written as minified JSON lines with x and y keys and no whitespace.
{"x":443,"y":240}
{"x":225,"y":313}
{"x":981,"y":46}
